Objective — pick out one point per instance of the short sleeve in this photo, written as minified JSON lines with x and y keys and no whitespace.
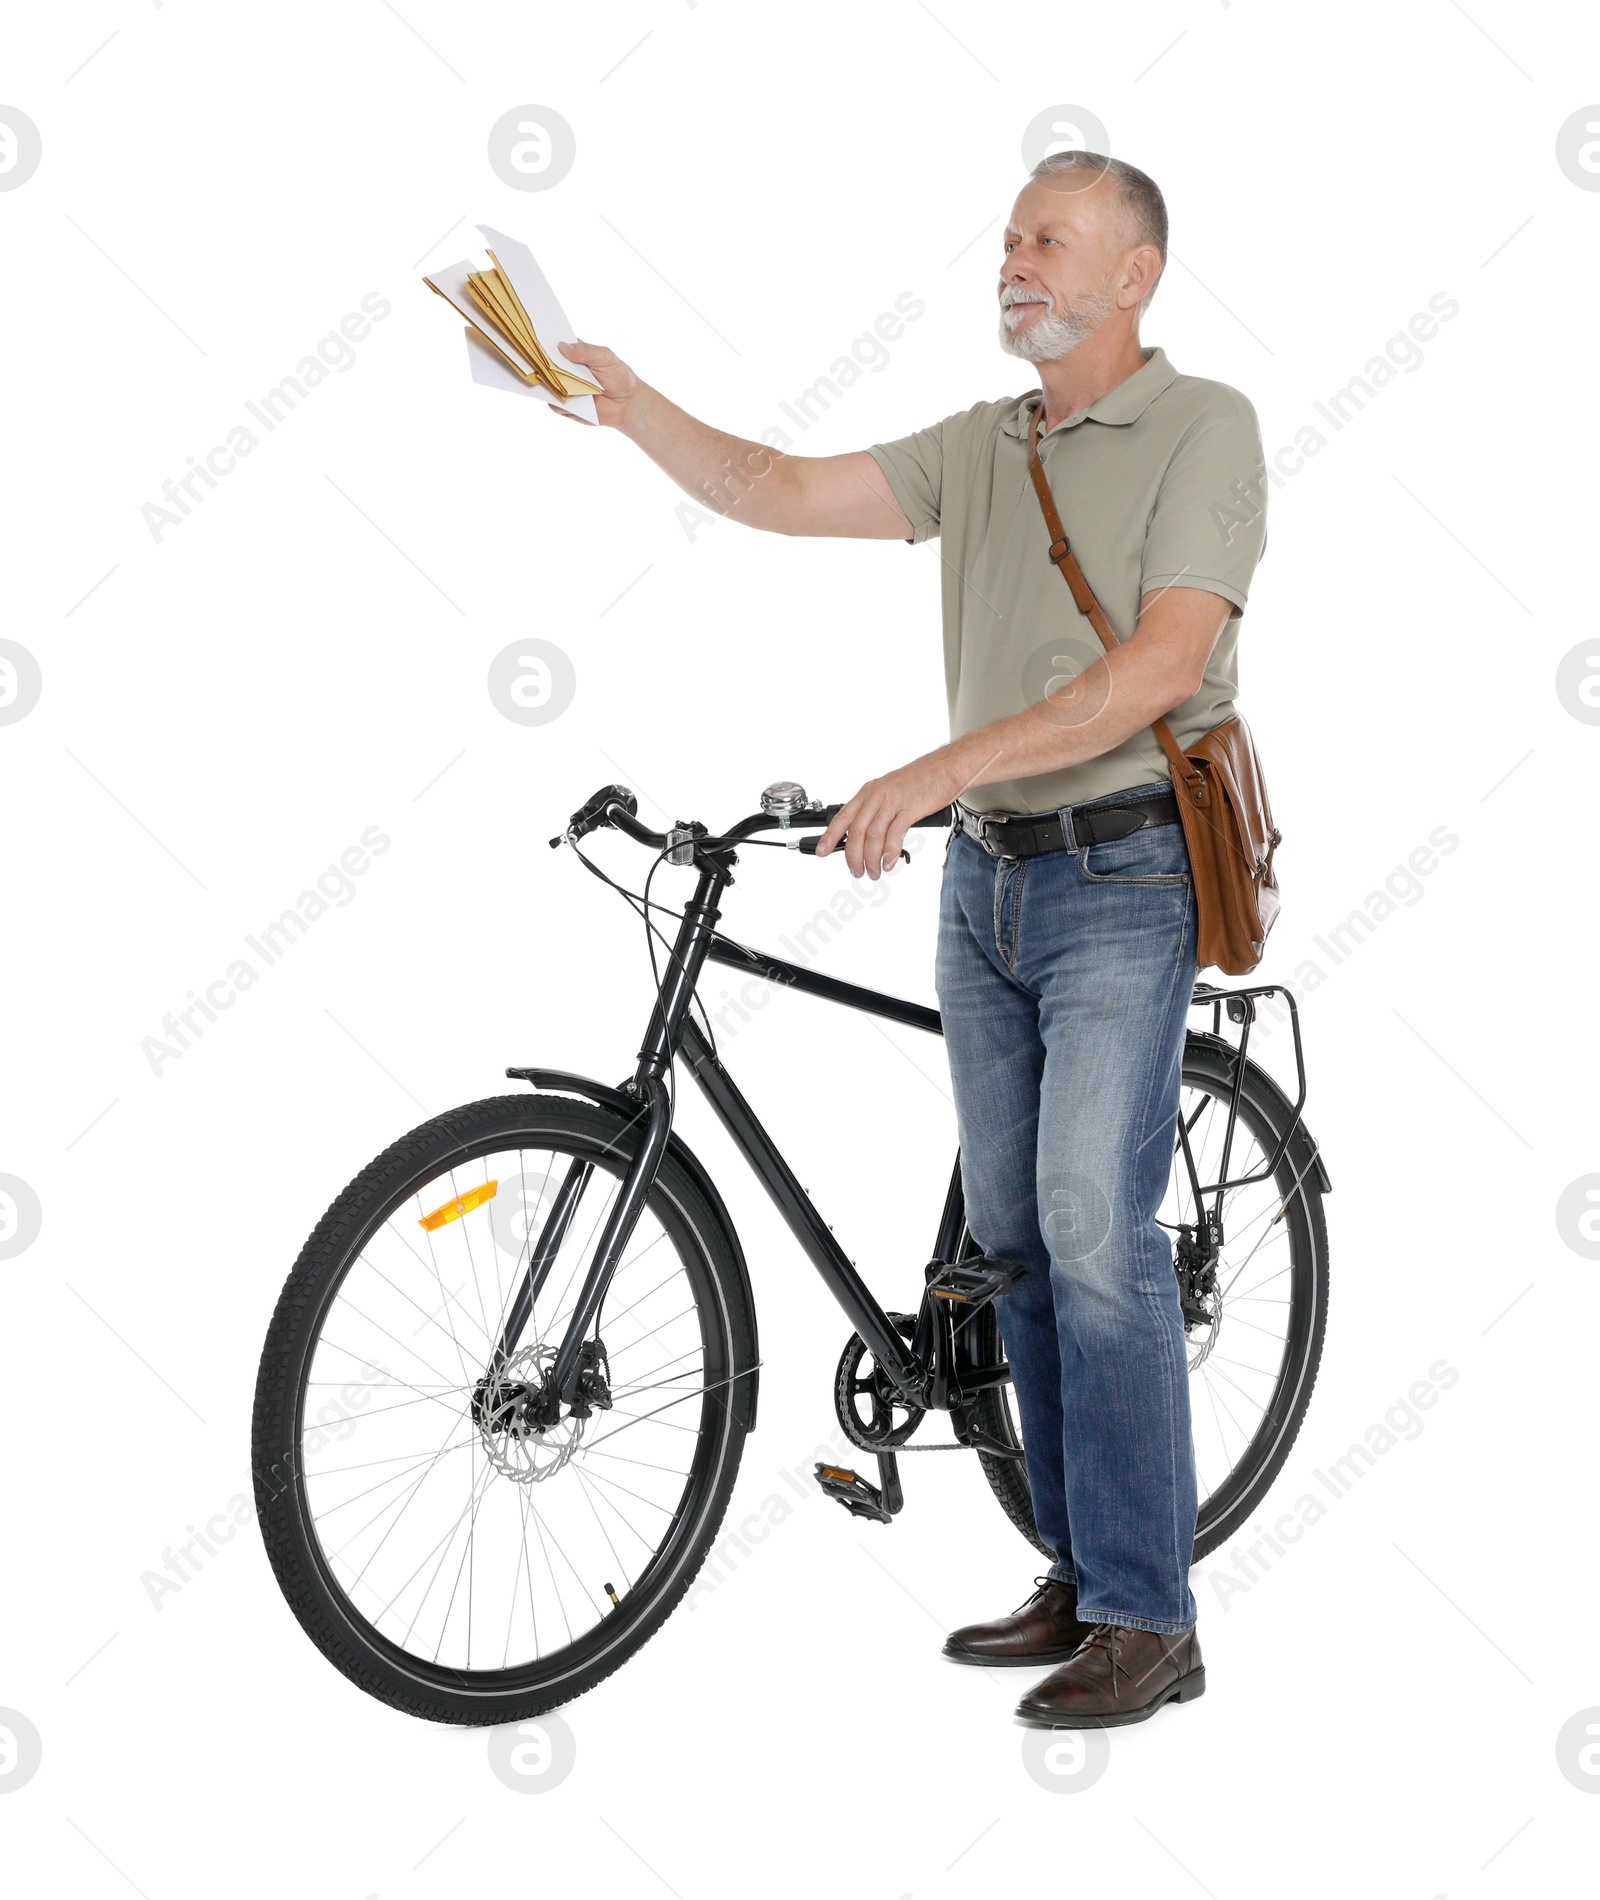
{"x":914,"y":468}
{"x":1209,"y":524}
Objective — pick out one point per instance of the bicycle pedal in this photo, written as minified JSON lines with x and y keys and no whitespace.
{"x":858,"y":1497}
{"x":975,"y":1285}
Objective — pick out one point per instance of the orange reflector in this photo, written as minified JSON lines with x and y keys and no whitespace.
{"x":833,"y":1471}
{"x":462,"y":1204}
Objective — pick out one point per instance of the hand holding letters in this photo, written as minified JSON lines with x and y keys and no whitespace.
{"x":514,"y":323}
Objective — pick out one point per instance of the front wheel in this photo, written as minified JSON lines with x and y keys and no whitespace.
{"x":450,"y":1556}
{"x":1253,"y":1358}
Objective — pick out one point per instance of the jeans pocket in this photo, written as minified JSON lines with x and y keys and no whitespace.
{"x":1157,"y":854}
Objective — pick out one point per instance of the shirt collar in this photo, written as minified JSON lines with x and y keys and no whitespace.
{"x":1119,"y":406}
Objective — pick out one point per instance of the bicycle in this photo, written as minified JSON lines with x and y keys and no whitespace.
{"x":422,"y":1320}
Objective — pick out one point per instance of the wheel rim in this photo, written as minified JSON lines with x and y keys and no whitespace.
{"x":453,"y":1537}
{"x":1247,"y":1374}
{"x":1239,"y":1398}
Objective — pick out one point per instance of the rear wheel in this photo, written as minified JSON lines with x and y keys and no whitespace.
{"x":450,"y":1557}
{"x":1253,"y":1358}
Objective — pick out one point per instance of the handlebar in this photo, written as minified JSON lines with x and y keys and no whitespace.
{"x":615,"y":806}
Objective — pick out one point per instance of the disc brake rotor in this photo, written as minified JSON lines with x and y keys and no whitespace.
{"x":513,"y":1444}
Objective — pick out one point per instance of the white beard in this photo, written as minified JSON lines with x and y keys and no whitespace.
{"x":1056,"y":333}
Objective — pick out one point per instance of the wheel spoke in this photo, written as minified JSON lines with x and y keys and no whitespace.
{"x":503,"y":1559}
{"x":1254,"y":1339}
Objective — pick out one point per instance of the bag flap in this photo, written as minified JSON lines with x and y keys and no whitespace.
{"x":1228,"y":755}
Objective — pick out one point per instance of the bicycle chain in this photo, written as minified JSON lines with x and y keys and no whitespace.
{"x":903,"y":1321}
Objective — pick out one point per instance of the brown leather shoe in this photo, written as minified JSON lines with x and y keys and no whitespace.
{"x":1118,"y":1675}
{"x":1044,"y":1630}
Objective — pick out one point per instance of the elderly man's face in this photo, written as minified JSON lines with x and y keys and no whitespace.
{"x":1066,"y":238}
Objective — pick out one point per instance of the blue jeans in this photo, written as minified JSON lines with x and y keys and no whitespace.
{"x":1064,"y":984}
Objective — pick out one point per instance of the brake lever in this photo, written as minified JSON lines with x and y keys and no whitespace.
{"x":809,"y":847}
{"x":934,"y":820}
{"x":592,"y":813}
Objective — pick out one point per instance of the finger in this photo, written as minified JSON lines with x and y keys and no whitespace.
{"x":872,"y":845}
{"x":830,"y":838}
{"x":887,"y":828}
{"x":869,"y":829}
{"x":838,"y":826}
{"x":856,"y":843}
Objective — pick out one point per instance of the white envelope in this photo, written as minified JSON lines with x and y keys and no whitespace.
{"x":451,"y":283}
{"x":550,"y":323}
{"x":492,"y":370}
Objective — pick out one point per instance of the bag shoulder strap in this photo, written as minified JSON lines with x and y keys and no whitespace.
{"x":1072,"y":573}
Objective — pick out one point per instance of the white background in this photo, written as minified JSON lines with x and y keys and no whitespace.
{"x":305,"y":656}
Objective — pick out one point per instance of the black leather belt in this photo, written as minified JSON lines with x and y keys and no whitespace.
{"x":1026,"y":835}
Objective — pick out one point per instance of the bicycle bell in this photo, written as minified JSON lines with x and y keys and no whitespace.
{"x":782,"y":799}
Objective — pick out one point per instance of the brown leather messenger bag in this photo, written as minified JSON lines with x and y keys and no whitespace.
{"x":1222,"y":796}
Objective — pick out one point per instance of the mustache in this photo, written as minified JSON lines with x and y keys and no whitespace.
{"x":1056,"y":333}
{"x":1015,"y":294}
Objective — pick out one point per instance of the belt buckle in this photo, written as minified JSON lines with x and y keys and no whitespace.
{"x":984,"y":821}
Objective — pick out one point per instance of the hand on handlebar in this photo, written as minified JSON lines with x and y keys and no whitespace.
{"x":874,"y":823}
{"x":615,"y":807}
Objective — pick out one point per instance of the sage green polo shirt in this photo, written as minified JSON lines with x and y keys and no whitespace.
{"x":1160,"y":483}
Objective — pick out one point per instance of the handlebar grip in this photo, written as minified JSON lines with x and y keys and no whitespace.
{"x":824,"y":816}
{"x":809,"y":847}
{"x":593,"y":813}
{"x":942,"y":818}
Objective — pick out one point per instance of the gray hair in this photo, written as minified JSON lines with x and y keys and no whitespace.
{"x":1137,"y":192}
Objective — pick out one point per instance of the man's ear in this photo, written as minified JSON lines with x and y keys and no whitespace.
{"x":1140,"y":269}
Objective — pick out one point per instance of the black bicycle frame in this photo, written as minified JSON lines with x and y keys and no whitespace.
{"x":673,"y":1033}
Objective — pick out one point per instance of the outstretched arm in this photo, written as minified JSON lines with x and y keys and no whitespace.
{"x":844,"y":495}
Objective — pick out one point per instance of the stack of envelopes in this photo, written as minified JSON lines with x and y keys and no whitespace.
{"x":507,"y":307}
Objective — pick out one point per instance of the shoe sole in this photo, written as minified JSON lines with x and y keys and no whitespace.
{"x":1044,"y":1659}
{"x":1185,"y":1689}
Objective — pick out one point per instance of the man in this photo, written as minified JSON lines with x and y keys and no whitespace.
{"x":1067,"y":926}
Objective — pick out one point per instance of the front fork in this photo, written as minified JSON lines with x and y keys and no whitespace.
{"x":649,"y":1085}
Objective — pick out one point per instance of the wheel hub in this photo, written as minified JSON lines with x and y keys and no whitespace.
{"x":1194,"y":1259}
{"x":513,"y":1440}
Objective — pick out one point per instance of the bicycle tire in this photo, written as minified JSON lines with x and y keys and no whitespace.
{"x":1211,"y":1063}
{"x":710,"y":1257}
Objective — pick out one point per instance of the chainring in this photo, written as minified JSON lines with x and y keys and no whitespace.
{"x":854,"y":1388}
